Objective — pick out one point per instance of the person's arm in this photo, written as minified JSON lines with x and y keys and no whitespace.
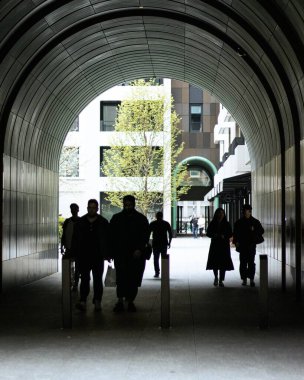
{"x":211,"y":232}
{"x":75,"y":245}
{"x":235,"y":234}
{"x":62,"y":243}
{"x":260,"y":228}
{"x":170,"y":234}
{"x":151,"y":229}
{"x":228,"y":231}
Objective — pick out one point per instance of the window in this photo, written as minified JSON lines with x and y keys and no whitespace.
{"x":195,"y":173}
{"x":69,"y":162}
{"x":75,"y":125}
{"x":199,"y":177}
{"x":195,"y":117}
{"x":108,"y":113}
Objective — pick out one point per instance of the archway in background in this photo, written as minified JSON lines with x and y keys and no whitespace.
{"x":203,"y":163}
{"x":59,"y":55}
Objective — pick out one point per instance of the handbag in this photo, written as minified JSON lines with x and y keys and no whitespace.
{"x":110,"y":279}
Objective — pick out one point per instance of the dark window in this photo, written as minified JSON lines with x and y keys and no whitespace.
{"x":195,"y":117}
{"x":108,"y":113}
{"x":75,"y":125}
{"x":195,"y":95}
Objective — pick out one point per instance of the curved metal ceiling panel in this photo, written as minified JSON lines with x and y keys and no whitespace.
{"x":59,"y":55}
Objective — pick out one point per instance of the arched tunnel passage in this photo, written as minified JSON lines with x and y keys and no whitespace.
{"x":58,"y":57}
{"x":202,"y":162}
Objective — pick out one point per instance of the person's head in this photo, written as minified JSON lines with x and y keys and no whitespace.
{"x":92,"y":207}
{"x":247,"y":209}
{"x":159,"y":215}
{"x":219,"y":214}
{"x":128,"y":203}
{"x":74,"y":209}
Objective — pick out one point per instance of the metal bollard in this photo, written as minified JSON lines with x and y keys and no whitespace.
{"x":263,"y":295}
{"x":165,"y":293}
{"x":66,"y":294}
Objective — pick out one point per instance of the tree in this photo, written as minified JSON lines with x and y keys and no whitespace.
{"x":145,"y":150}
{"x":69,"y":162}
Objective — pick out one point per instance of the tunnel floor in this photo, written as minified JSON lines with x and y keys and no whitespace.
{"x":214,"y":332}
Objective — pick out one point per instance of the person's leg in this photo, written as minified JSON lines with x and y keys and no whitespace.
{"x":215,"y":271}
{"x":222,"y":277}
{"x":135,"y":270}
{"x":120,"y":284}
{"x":84,"y":286}
{"x":251,"y":266}
{"x":156,"y":254}
{"x":77,"y":274}
{"x":97,"y":271}
{"x":243,"y":267}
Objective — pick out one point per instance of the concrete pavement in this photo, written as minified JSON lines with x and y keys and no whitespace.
{"x":214,"y":331}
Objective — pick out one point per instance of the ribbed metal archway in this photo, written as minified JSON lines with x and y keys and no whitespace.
{"x":56,"y":56}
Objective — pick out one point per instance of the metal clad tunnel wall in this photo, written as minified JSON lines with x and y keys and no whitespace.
{"x":56,"y":56}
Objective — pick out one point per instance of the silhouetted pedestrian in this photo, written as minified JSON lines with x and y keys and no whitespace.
{"x":130,"y":234}
{"x":247,"y":233}
{"x":161,"y":239}
{"x":201,"y":225}
{"x":66,"y":241}
{"x":194,"y":223}
{"x":90,"y":242}
{"x":219,"y":258}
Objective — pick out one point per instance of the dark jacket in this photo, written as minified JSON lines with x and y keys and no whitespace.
{"x":219,"y":256}
{"x":91,"y":240}
{"x":247,"y":232}
{"x":67,"y":233}
{"x":161,"y":233}
{"x":129,"y":232}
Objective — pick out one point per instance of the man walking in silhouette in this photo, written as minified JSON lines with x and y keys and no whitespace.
{"x":90,"y":242}
{"x":130,"y":234}
{"x":66,"y":241}
{"x":247,"y":233}
{"x":161,"y":239}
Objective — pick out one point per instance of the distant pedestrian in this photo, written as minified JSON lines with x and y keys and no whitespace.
{"x":194,"y":222}
{"x":130,"y":235}
{"x":201,"y":225}
{"x":66,"y":241}
{"x":219,"y":258}
{"x":247,"y":233}
{"x":161,"y":239}
{"x":90,"y":242}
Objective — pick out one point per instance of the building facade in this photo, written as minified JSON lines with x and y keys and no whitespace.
{"x":92,"y":133}
{"x":232,"y":183}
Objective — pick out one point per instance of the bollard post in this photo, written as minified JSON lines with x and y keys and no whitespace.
{"x":263,"y":296}
{"x":66,"y":293}
{"x":165,"y":293}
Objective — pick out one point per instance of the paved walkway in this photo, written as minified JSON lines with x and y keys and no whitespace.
{"x":214,"y":333}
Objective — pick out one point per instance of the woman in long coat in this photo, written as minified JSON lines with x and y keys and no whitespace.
{"x":219,"y":258}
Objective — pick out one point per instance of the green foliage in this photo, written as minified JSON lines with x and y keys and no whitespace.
{"x":61,"y":220}
{"x":152,"y":150}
